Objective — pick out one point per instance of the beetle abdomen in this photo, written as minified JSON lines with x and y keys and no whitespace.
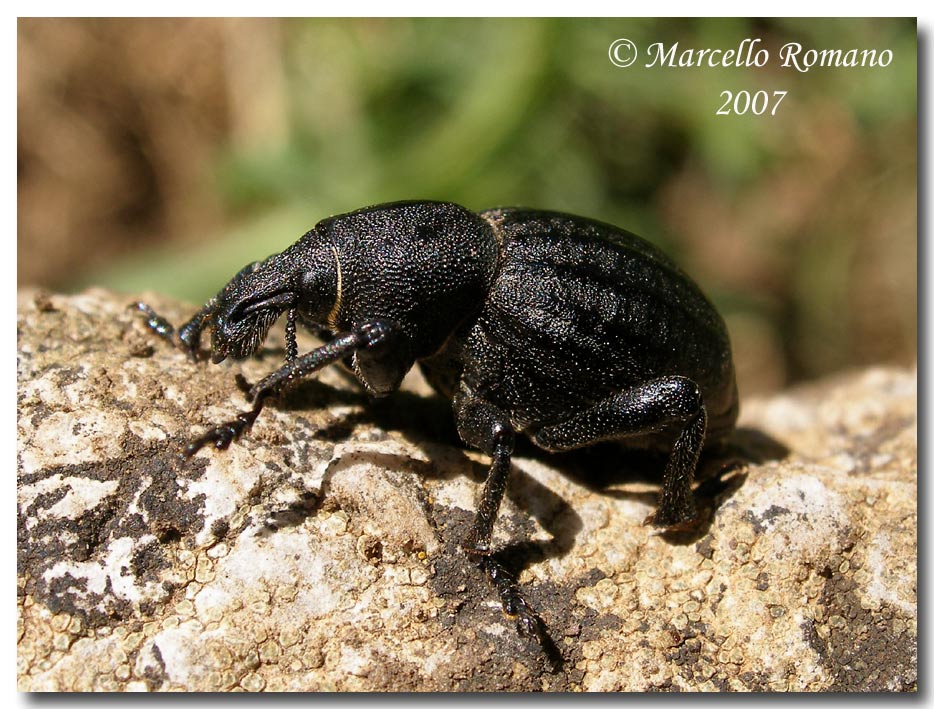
{"x":580,"y":310}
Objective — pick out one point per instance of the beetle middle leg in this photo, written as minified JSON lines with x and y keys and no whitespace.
{"x":666,"y":403}
{"x":485,"y":426}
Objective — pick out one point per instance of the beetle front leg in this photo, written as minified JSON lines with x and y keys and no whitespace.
{"x":665,"y":403}
{"x":369,"y":335}
{"x":155,"y":322}
{"x":188,"y":336}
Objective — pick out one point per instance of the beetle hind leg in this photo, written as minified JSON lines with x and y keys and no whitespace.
{"x":676,"y":507}
{"x":667,"y":403}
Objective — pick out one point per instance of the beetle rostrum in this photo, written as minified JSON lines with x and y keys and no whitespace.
{"x":564,"y":329}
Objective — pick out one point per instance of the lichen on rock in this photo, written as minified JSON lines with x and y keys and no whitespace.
{"x":320,"y":552}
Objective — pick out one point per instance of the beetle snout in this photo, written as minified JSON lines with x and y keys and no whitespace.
{"x":239,"y":329}
{"x":240,"y":338}
{"x":218,"y":355}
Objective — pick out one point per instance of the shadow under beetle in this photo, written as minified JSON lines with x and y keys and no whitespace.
{"x":564,"y":329}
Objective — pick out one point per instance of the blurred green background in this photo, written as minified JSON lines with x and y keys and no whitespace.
{"x":163,"y":155}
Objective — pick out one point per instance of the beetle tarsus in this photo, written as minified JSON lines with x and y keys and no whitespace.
{"x":155,"y":322}
{"x":528,"y":623}
{"x":222,"y":435}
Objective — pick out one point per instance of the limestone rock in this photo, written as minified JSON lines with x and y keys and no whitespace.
{"x":320,"y":551}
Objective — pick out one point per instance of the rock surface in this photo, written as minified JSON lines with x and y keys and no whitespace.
{"x":320,"y":551}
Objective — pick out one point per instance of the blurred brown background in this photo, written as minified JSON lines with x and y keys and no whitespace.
{"x":165,"y":154}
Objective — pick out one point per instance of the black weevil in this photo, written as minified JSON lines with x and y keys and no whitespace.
{"x":564,"y":329}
